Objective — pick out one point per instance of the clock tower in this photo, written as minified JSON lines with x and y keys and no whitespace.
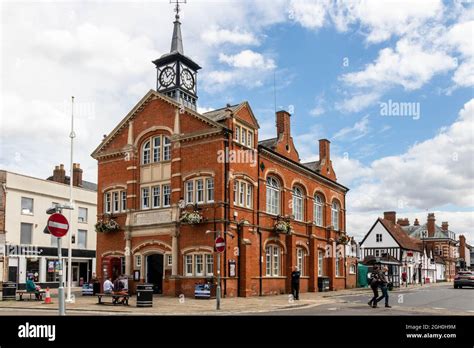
{"x":177,"y":73}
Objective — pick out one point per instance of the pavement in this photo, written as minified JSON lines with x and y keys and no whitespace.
{"x":344,"y":302}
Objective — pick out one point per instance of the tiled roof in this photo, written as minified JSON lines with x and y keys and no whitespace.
{"x":220,"y":114}
{"x":314,"y":166}
{"x":85,"y":184}
{"x":418,"y":231}
{"x":269,"y":143}
{"x":399,"y":234}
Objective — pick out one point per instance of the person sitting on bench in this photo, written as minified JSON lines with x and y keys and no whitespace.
{"x":32,"y":287}
{"x":119,"y":288}
{"x":108,"y":286}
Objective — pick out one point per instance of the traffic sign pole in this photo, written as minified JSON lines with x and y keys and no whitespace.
{"x":62,"y":309}
{"x":219,"y":245}
{"x":58,"y":227}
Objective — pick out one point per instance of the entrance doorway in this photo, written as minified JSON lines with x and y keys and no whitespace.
{"x":154,"y":272}
{"x":75,"y":275}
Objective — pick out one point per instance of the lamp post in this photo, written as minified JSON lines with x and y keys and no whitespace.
{"x":72,"y":135}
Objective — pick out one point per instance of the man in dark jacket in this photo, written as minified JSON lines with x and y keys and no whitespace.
{"x":374,"y":285}
{"x":383,"y":284}
{"x":295,"y":283}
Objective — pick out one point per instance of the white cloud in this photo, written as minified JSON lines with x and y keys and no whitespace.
{"x":409,"y":65}
{"x":310,"y":14}
{"x":430,"y":174}
{"x":318,"y":109}
{"x":357,"y":102}
{"x":357,"y":131}
{"x":248,"y":59}
{"x":217,"y":36}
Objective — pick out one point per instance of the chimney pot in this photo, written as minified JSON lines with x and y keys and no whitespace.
{"x":77,"y":175}
{"x":390,"y":216}
{"x":403,"y":222}
{"x":444,"y":226}
{"x":431,"y":224}
{"x":283,"y":123}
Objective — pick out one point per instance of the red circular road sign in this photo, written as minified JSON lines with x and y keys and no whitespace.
{"x":58,"y":225}
{"x":219,"y":244}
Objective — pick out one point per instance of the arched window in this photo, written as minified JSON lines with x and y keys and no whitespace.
{"x":335,"y":215}
{"x":318,"y":210}
{"x":156,"y":149}
{"x":166,"y":148}
{"x":273,"y":196}
{"x":298,"y":203}
{"x":146,"y":153}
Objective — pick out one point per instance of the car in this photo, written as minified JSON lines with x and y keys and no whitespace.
{"x":464,"y":278}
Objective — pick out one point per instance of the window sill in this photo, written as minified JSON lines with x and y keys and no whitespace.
{"x":154,"y":163}
{"x":274,"y":277}
{"x":28,"y":214}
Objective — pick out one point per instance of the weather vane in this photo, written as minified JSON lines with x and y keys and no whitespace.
{"x":177,"y":9}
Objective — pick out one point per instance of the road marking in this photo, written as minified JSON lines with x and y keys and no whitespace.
{"x":332,"y":309}
{"x":438,"y":308}
{"x":471,"y":311}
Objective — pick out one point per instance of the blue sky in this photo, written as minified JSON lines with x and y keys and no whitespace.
{"x":334,"y":64}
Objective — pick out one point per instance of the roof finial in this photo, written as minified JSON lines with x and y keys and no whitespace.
{"x":177,"y":40}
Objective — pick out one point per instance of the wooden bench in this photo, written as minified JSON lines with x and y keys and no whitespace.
{"x":115,"y":298}
{"x":31,"y":293}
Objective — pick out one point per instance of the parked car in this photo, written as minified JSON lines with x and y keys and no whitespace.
{"x":464,"y":278}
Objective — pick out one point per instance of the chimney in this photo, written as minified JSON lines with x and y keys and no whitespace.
{"x":283,"y":124}
{"x":445,"y":226}
{"x":324,"y":151}
{"x":59,"y":174}
{"x":76,"y":175}
{"x":431,"y":224}
{"x":416,"y":223}
{"x":462,"y":247}
{"x":390,"y":216}
{"x":403,"y":222}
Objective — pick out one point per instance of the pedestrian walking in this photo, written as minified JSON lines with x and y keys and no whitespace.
{"x":295,"y":283}
{"x":374,"y":285}
{"x":383,"y":284}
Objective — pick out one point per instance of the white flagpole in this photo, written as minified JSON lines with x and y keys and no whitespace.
{"x":72,"y":135}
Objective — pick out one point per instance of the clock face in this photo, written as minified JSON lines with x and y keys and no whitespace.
{"x":187,"y":79}
{"x":167,"y":76}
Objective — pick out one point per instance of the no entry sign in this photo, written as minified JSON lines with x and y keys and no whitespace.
{"x":58,"y":225}
{"x":219,"y":244}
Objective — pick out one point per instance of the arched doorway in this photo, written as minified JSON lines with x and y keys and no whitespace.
{"x":112,"y":267}
{"x":154,"y":272}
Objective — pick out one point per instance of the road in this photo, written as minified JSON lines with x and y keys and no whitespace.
{"x":439,"y":300}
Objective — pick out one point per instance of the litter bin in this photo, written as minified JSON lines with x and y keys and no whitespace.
{"x":9,"y":291}
{"x":145,"y":295}
{"x":323,"y":284}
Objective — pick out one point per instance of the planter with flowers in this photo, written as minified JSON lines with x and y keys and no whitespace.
{"x":191,"y":218}
{"x":107,"y":225}
{"x":282,"y":225}
{"x":343,"y":239}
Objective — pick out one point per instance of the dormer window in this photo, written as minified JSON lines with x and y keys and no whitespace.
{"x":243,"y":135}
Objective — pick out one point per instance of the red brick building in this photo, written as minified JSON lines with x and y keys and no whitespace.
{"x":173,"y":179}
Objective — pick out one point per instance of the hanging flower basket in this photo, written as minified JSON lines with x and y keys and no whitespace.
{"x":282,"y":226}
{"x":191,"y":218}
{"x":343,"y":239}
{"x":107,"y":226}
